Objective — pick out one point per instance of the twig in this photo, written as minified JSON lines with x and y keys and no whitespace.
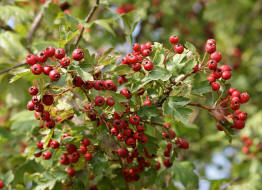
{"x":87,"y":19}
{"x":36,"y":22}
{"x":230,"y":183}
{"x":11,"y":68}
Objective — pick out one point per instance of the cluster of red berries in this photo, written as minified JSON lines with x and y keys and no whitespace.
{"x":179,"y":143}
{"x":178,"y":48}
{"x":223,"y":71}
{"x":250,"y":148}
{"x":39,"y":62}
{"x":235,"y":99}
{"x":138,"y":57}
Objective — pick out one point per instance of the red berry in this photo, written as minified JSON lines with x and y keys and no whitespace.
{"x":211,"y":41}
{"x":216,"y":56}
{"x":167,"y":153}
{"x":128,"y":132}
{"x":54,"y":75}
{"x":37,"y":69}
{"x":169,"y":146}
{"x":71,"y":172}
{"x":59,"y":53}
{"x":88,"y":85}
{"x":131,"y":58}
{"x":178,"y":48}
{"x":235,"y":106}
{"x":48,"y":99}
{"x":99,"y":85}
{"x":88,"y":157}
{"x":122,"y":152}
{"x":33,"y":90}
{"x":210,"y":48}
{"x":234,"y":100}
{"x":215,"y":86}
{"x":173,"y":39}
{"x":39,"y":107}
{"x":65,"y":61}
{"x":50,"y":123}
{"x":110,"y":101}
{"x":74,"y":157}
{"x":236,"y":93}
{"x":148,"y":65}
{"x":157,"y":165}
{"x":122,"y":80}
{"x":125,"y":92}
{"x":37,"y":155}
{"x":1,"y":184}
{"x":182,"y":143}
{"x":99,"y":101}
{"x":148,"y":45}
{"x":82,"y":149}
{"x":40,"y":145}
{"x":50,"y":51}
{"x":239,"y":124}
{"x":217,"y":73}
{"x":130,"y":141}
{"x":121,"y":137}
{"x":167,"y":125}
{"x":31,"y":59}
{"x":30,"y":106}
{"x":47,"y":155}
{"x":242,"y":116}
{"x":167,"y":163}
{"x":134,"y":120}
{"x":54,"y":144}
{"x":47,"y":69}
{"x":114,"y":131}
{"x":212,"y":64}
{"x":226,"y":75}
{"x":225,"y":68}
{"x":136,"y":67}
{"x":136,"y":47}
{"x":143,"y":139}
{"x":244,"y":97}
{"x":211,"y":78}
{"x":146,"y":52}
{"x":78,"y":54}
{"x":78,"y":81}
{"x":147,"y":102}
{"x":71,"y":148}
{"x":109,"y":84}
{"x":219,"y":127}
{"x":41,"y":57}
{"x":86,"y":142}
{"x":231,"y":90}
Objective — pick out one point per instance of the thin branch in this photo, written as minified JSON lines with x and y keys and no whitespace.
{"x":7,"y":28}
{"x":87,"y":19}
{"x":11,"y":68}
{"x":36,"y":22}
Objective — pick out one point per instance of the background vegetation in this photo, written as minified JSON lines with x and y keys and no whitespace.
{"x":236,"y":26}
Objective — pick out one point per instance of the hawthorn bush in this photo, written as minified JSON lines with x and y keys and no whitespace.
{"x":115,"y":117}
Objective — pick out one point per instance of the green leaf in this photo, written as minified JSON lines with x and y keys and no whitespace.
{"x":19,"y":75}
{"x":122,"y":70}
{"x":105,"y":23}
{"x":119,"y":108}
{"x":18,"y":14}
{"x":200,"y":88}
{"x":9,"y":177}
{"x":84,"y":75}
{"x":149,"y":111}
{"x":159,"y":73}
{"x":158,"y":59}
{"x":51,"y":12}
{"x":184,"y":173}
{"x":175,"y":108}
{"x":191,"y":48}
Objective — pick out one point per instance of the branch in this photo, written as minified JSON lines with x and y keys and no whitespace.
{"x":36,"y":22}
{"x":11,"y":68}
{"x":87,"y":19}
{"x":7,"y":28}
